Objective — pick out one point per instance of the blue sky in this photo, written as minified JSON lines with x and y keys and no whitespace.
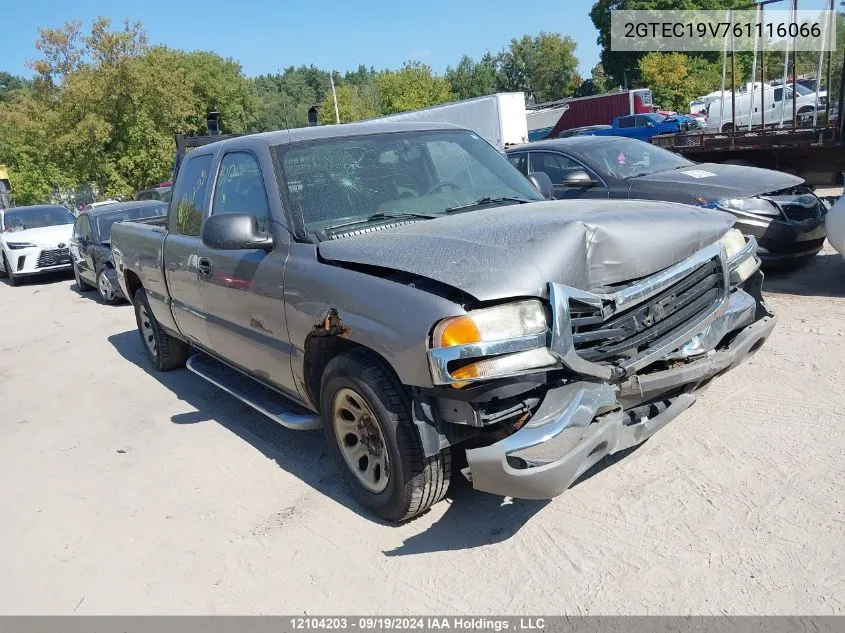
{"x":266,"y":35}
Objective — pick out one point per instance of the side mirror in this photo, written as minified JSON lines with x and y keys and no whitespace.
{"x":234,"y":231}
{"x":542,"y":183}
{"x":578,"y":178}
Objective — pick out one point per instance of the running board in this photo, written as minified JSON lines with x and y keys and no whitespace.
{"x":263,"y":399}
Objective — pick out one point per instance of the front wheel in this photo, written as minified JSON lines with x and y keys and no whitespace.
{"x":14,"y":280}
{"x":370,"y":434}
{"x":164,"y":351}
{"x":107,"y":287}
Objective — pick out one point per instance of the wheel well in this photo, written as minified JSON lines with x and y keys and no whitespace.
{"x":133,"y":282}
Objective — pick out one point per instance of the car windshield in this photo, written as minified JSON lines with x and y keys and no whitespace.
{"x":107,"y":220}
{"x":36,"y":218}
{"x":629,"y":158}
{"x":801,"y":90}
{"x":358,"y":180}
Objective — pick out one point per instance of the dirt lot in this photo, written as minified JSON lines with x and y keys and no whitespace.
{"x":132,"y":492}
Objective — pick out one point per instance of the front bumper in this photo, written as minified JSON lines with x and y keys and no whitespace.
{"x":36,"y":260}
{"x":783,"y":240}
{"x":579,"y":423}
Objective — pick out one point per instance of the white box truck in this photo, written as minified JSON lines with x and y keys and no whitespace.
{"x":499,"y":118}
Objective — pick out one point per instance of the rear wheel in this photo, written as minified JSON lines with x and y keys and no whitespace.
{"x":81,"y":284}
{"x":164,"y":351}
{"x":370,"y":434}
{"x":728,"y":127}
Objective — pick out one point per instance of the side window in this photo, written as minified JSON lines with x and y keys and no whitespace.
{"x":641,"y":121}
{"x":189,"y":193}
{"x":778,"y":94}
{"x":518,"y":161}
{"x":556,"y":166}
{"x":240,"y":188}
{"x":626,"y":121}
{"x":83,"y":226}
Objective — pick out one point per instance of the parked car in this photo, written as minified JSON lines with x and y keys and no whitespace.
{"x":34,"y":240}
{"x":405,"y":288}
{"x":90,"y":245}
{"x":835,"y":224}
{"x":154,"y":193}
{"x":778,"y":209}
{"x":644,"y":126}
{"x":771,"y":105}
{"x":580,"y":131}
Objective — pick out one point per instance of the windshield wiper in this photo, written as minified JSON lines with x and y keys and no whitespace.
{"x":380,"y":216}
{"x":486,"y":200}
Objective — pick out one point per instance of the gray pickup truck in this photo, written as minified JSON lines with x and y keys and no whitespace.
{"x":406,"y":289}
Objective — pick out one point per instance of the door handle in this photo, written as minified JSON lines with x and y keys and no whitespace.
{"x":204,"y":266}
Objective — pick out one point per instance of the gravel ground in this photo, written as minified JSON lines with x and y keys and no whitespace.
{"x":132,"y":492}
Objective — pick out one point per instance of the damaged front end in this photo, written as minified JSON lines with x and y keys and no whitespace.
{"x":616,"y":365}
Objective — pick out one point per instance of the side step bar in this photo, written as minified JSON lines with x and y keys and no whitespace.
{"x":263,"y":399}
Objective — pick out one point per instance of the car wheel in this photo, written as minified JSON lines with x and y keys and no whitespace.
{"x":165,"y":352}
{"x":107,"y":288}
{"x":14,"y":280}
{"x":3,"y":272}
{"x":370,"y":434}
{"x":728,"y":127}
{"x":81,"y":284}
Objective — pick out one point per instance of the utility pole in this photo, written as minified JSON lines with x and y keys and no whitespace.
{"x":334,"y":98}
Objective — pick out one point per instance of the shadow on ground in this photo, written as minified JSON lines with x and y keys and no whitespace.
{"x":472,"y":518}
{"x":46,"y":279}
{"x":820,"y":276}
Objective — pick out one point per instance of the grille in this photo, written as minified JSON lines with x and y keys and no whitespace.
{"x":802,"y":208}
{"x":628,"y":333}
{"x":54,"y":257}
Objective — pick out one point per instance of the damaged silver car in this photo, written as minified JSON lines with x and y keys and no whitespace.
{"x":404,"y":288}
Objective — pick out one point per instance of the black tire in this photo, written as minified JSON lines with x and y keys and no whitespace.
{"x":728,"y":127}
{"x":14,"y":280}
{"x":415,"y":481}
{"x":3,"y":272}
{"x":115,"y":298}
{"x":81,"y":284}
{"x":168,"y":352}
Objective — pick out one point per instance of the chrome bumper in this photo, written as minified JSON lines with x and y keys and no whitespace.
{"x":578,"y":424}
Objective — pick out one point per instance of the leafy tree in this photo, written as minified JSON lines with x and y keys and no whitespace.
{"x":473,"y":79}
{"x":10,"y":84}
{"x":623,"y":66}
{"x":595,"y":85}
{"x":354,"y":103}
{"x":410,"y":88}
{"x":543,"y":67}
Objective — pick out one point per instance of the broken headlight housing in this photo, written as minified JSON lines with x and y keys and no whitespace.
{"x":490,"y":343}
{"x":740,"y":255}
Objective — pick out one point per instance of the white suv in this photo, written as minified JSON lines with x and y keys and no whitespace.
{"x":34,"y":240}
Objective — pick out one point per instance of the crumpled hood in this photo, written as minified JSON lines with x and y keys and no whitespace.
{"x":516,"y":250}
{"x":714,"y":181}
{"x":45,"y":237}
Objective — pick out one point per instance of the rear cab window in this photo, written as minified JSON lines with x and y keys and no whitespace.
{"x":189,"y":194}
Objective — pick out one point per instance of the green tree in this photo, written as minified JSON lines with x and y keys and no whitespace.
{"x":354,"y":103}
{"x":473,"y":79}
{"x":543,"y":67}
{"x":10,"y":84}
{"x":412,"y":87}
{"x":622,"y":67}
{"x":595,"y":85}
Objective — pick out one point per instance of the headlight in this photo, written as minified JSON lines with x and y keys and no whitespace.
{"x":491,"y":324}
{"x":757,"y":206}
{"x":17,"y":245}
{"x":490,"y":343}
{"x":734,"y":243}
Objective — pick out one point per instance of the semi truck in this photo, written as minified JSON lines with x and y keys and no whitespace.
{"x":549,"y":120}
{"x":498,"y":118}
